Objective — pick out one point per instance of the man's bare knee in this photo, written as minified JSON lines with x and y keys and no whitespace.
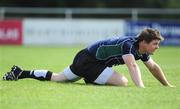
{"x":124,"y":81}
{"x":121,"y":80}
{"x":117,"y":80}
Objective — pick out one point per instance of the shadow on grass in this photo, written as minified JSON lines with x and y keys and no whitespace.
{"x":87,"y":84}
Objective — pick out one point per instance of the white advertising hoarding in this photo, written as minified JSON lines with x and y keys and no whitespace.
{"x":74,"y":31}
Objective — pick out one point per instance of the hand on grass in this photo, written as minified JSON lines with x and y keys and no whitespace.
{"x":169,"y":85}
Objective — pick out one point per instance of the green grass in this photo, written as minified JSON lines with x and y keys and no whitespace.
{"x":34,"y":94}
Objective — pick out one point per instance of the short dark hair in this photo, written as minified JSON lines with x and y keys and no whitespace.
{"x":149,"y":34}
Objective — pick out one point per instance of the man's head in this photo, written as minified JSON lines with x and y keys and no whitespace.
{"x":149,"y":40}
{"x":150,"y":34}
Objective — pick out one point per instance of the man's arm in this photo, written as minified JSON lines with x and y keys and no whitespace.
{"x":133,"y":69}
{"x":157,"y":72}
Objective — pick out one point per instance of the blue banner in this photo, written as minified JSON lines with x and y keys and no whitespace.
{"x":170,"y":30}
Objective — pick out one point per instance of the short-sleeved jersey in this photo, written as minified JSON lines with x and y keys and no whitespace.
{"x":110,"y":51}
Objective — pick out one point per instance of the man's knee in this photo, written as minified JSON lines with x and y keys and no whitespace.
{"x":123,"y":81}
{"x":117,"y":80}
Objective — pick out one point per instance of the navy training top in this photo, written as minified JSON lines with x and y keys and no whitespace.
{"x":110,"y":51}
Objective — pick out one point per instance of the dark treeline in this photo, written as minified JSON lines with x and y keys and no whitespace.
{"x":92,"y":3}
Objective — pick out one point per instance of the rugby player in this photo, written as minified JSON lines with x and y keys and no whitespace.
{"x":94,"y":63}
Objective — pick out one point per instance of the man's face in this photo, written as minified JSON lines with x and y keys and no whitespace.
{"x":152,"y":46}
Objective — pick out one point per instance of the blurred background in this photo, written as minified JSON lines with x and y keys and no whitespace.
{"x":71,"y":22}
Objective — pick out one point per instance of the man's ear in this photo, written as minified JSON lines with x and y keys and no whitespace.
{"x":144,"y":42}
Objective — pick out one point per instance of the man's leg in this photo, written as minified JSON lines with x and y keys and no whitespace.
{"x":66,"y":75}
{"x":18,"y":73}
{"x":117,"y":79}
{"x":110,"y":77}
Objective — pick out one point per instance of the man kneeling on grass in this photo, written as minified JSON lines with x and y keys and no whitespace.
{"x":94,"y":63}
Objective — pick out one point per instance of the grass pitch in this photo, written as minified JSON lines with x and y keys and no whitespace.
{"x":34,"y":94}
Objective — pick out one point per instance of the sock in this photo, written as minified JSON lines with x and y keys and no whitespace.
{"x":36,"y":74}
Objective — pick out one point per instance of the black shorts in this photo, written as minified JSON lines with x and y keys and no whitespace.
{"x":87,"y":66}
